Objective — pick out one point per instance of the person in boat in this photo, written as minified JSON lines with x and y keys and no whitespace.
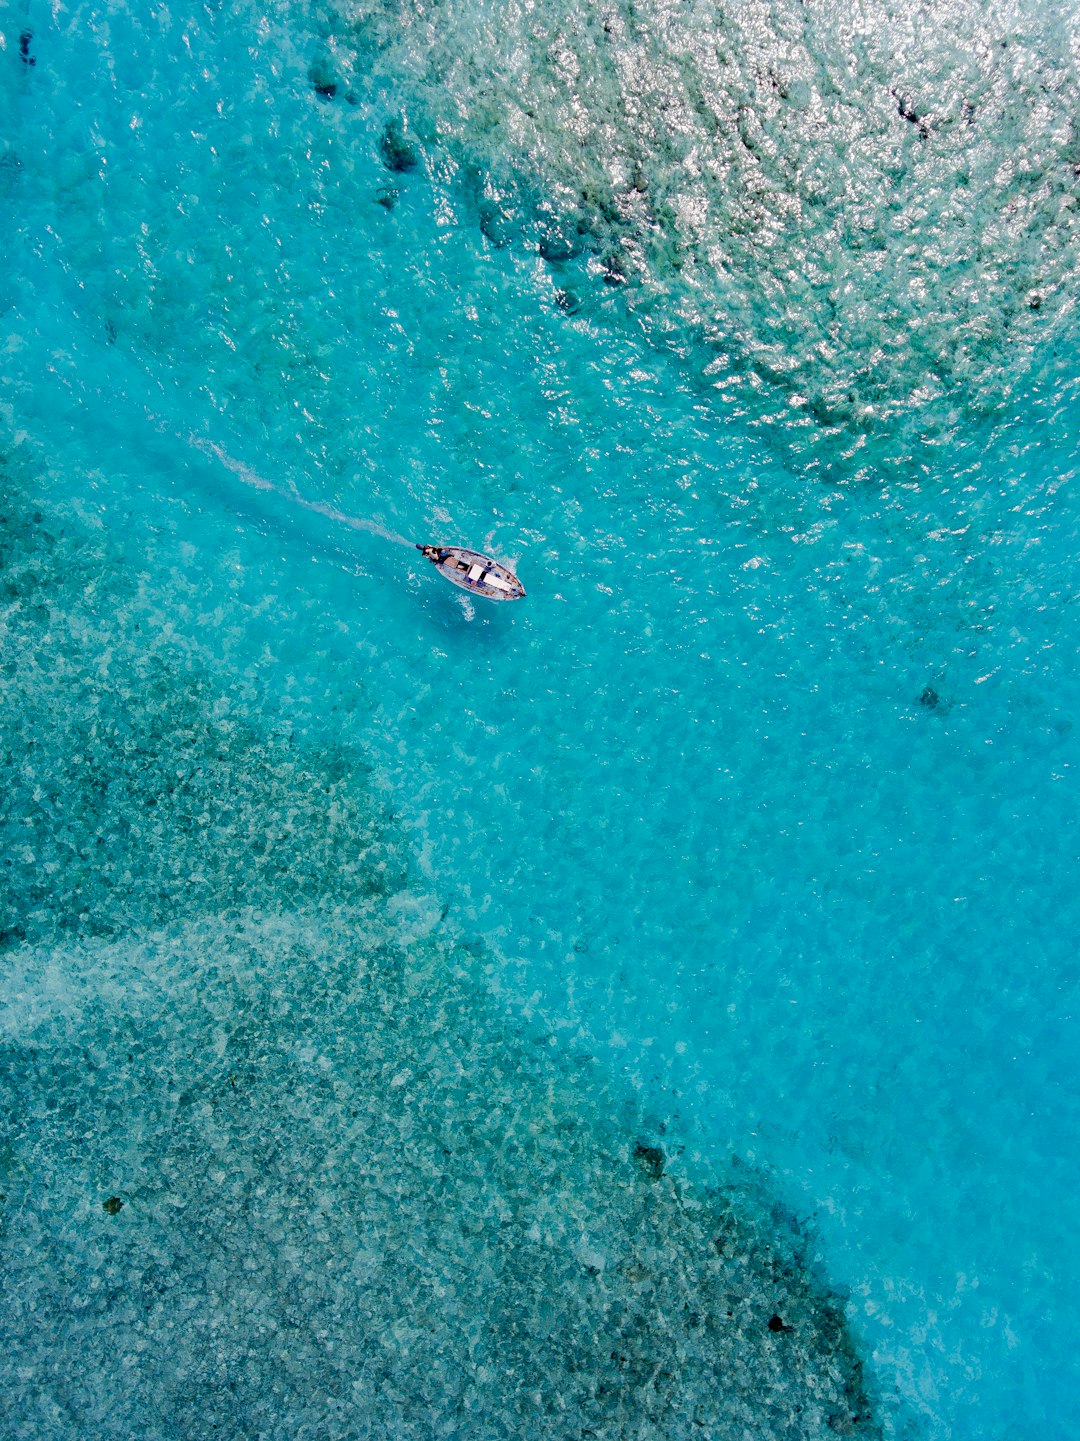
{"x":437,"y":554}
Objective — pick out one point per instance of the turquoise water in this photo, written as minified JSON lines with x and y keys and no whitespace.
{"x":748,"y":838}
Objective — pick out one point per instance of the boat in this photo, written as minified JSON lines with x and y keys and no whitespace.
{"x":476,"y":573}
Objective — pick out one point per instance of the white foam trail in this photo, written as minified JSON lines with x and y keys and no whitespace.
{"x":293,"y":496}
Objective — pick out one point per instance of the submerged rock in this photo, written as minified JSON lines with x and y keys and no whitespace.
{"x":650,"y":1159}
{"x":568,"y":299}
{"x":561,"y":239}
{"x":323,"y":75}
{"x":398,"y":152}
{"x":495,"y":225}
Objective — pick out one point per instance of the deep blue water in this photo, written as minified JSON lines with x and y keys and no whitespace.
{"x":764,"y":798}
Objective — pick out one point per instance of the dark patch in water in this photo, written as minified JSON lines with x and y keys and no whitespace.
{"x":323,"y":76}
{"x":113,"y":1206}
{"x":558,"y":246}
{"x":10,"y":168}
{"x":613,"y":270}
{"x":496,"y":226}
{"x":25,"y":38}
{"x":397,"y":151}
{"x":651,"y":1159}
{"x":562,"y":237}
{"x":929,"y":698}
{"x":907,"y":111}
{"x":387,"y":196}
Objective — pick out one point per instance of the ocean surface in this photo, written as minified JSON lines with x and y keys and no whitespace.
{"x":649,"y":1009}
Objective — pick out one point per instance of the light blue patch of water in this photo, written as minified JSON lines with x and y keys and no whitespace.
{"x":765,"y":794}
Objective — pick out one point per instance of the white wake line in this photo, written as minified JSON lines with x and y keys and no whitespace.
{"x":293,"y":497}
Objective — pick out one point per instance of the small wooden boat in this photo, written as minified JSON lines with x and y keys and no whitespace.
{"x":476,"y":573}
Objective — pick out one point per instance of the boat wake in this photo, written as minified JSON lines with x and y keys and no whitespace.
{"x":292,"y":496}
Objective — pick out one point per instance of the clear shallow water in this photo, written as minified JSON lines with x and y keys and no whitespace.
{"x":790,"y":849}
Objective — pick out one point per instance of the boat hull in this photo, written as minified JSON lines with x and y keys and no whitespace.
{"x":473,"y":572}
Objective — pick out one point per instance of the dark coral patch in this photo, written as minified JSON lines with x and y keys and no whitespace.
{"x":651,"y":1159}
{"x":397,"y":151}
